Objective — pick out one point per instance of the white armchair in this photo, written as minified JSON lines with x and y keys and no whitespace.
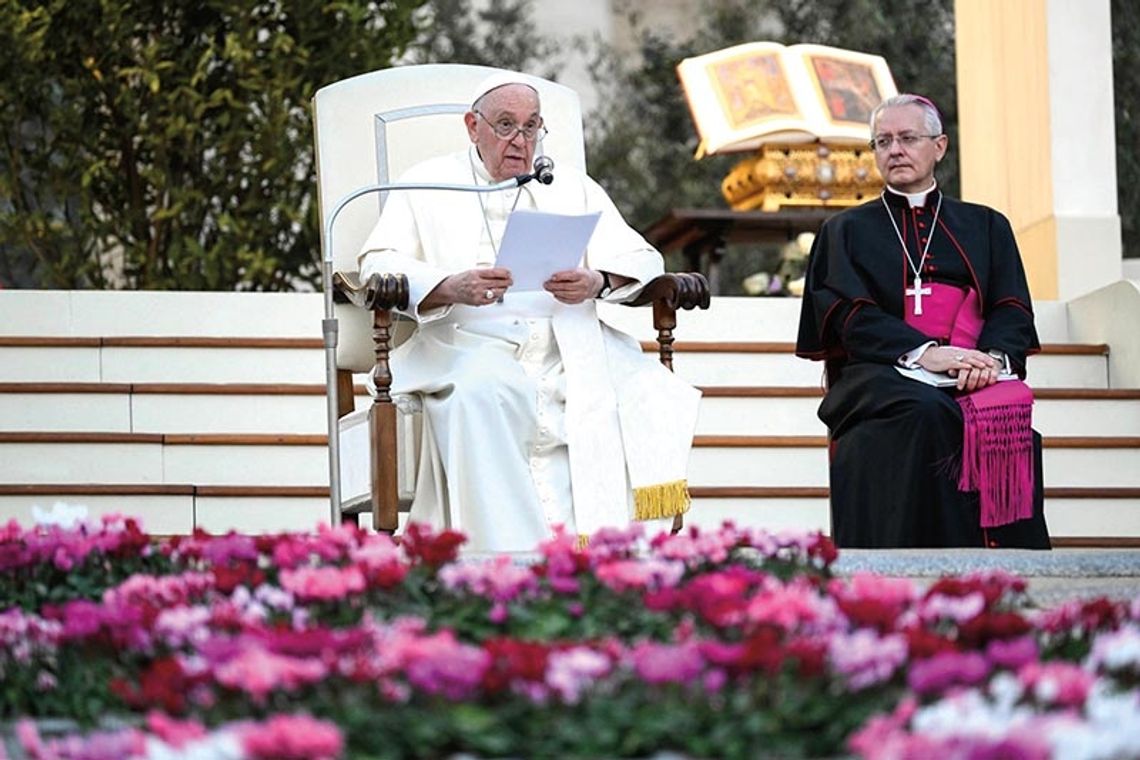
{"x":368,"y":130}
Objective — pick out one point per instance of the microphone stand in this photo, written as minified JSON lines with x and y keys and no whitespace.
{"x":329,"y":326}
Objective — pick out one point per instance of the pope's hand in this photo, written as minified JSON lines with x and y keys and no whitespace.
{"x":477,"y":287}
{"x":574,"y":285}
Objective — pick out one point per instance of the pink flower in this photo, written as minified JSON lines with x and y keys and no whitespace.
{"x":695,"y":548}
{"x":159,"y":591}
{"x":893,"y":592}
{"x":612,"y":543}
{"x":381,"y":560}
{"x":956,"y":608}
{"x":667,"y":663}
{"x":292,"y":737}
{"x":790,"y":607}
{"x":1057,"y":683}
{"x":438,"y":664}
{"x":257,"y":672}
{"x":1117,"y":652}
{"x":866,"y":659}
{"x":499,"y":579}
{"x":323,"y":583}
{"x":23,"y":635}
{"x":176,"y":733}
{"x":98,"y":745}
{"x":639,"y":574}
{"x":571,"y":671}
{"x":881,"y":732}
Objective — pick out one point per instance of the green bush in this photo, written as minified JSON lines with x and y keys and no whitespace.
{"x":162,"y":144}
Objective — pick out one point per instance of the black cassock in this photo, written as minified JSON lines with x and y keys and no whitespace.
{"x":896,"y":443}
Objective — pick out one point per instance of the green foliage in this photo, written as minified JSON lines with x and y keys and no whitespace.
{"x":1126,"y":86}
{"x":168,"y":145}
{"x":644,"y":116}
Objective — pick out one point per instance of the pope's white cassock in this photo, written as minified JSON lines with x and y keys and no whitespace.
{"x":536,"y":413}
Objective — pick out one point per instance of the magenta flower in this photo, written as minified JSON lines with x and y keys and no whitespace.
{"x":1012,"y":653}
{"x":439,"y":664}
{"x":940,"y":672}
{"x":81,"y":619}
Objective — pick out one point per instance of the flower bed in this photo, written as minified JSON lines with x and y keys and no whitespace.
{"x":732,"y":643}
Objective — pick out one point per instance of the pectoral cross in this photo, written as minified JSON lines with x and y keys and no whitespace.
{"x":918,"y":292}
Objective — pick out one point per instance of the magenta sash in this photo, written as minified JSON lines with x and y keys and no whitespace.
{"x":997,"y":435}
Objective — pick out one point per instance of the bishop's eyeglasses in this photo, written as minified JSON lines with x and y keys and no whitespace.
{"x":505,"y":129}
{"x":907,"y":140}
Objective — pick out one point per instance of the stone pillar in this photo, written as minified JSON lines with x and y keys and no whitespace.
{"x":1037,"y":134}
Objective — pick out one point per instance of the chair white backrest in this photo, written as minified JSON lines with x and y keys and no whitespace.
{"x":371,"y":128}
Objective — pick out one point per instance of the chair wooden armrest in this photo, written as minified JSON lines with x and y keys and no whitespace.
{"x":667,"y":293}
{"x":379,"y":295}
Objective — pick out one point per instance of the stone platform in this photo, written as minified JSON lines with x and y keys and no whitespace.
{"x":1053,"y":576}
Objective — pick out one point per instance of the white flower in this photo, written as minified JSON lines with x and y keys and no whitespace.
{"x":66,"y":516}
{"x":222,"y":745}
{"x":1118,"y":650}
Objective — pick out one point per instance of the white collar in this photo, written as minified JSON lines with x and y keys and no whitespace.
{"x":481,"y":172}
{"x":915,"y":199}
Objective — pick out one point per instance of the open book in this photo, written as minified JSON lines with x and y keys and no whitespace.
{"x":760,"y":92}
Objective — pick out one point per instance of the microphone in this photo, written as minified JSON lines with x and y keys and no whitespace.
{"x":543,"y":172}
{"x":544,"y":169}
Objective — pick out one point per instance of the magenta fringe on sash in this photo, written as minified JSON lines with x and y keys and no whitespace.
{"x":997,"y":451}
{"x":997,"y":436}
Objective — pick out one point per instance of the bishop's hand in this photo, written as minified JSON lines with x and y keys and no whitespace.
{"x":974,"y":369}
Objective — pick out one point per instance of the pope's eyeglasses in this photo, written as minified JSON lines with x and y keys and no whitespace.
{"x":505,"y":129}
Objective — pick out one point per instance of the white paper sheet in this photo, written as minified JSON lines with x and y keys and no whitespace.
{"x":537,"y":244}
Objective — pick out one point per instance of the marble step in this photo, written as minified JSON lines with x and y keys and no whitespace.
{"x":792,"y":411}
{"x":1076,"y":517}
{"x":1052,"y":577}
{"x":296,"y":460}
{"x":300,"y":408}
{"x":92,"y":313}
{"x":142,"y":359}
{"x":176,"y":509}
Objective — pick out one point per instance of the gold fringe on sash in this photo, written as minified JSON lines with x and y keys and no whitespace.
{"x":661,"y":500}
